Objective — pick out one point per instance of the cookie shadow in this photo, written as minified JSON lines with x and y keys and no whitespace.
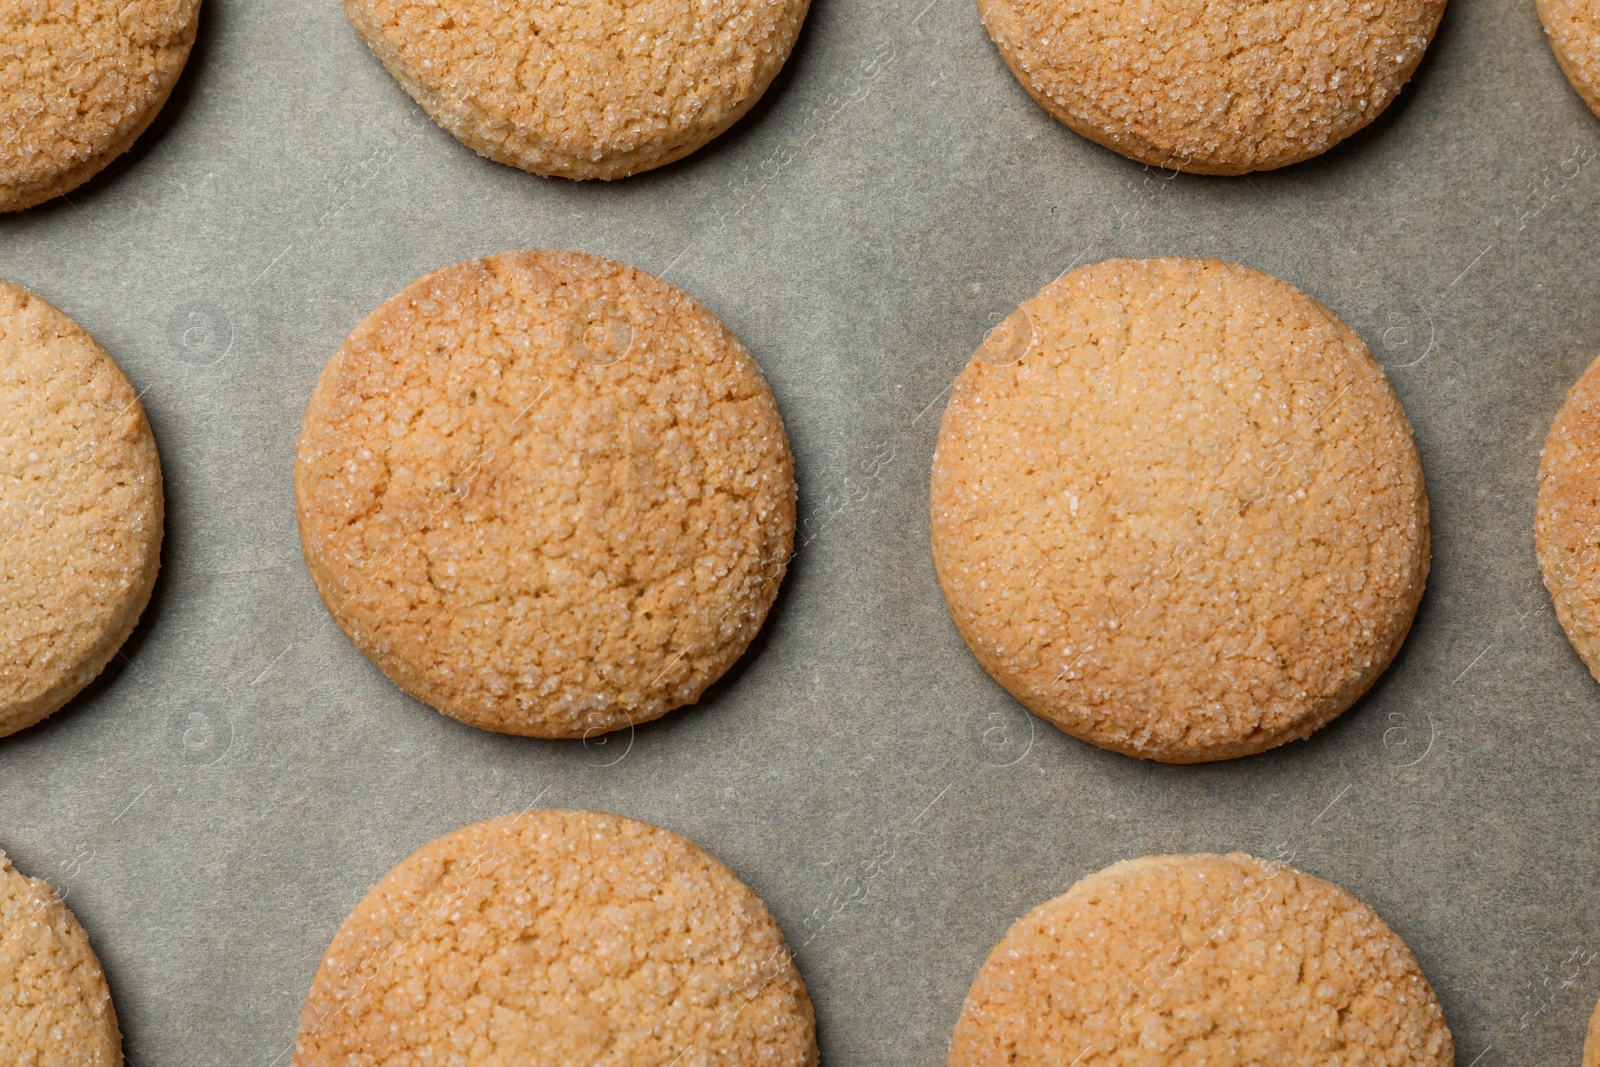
{"x":171,"y":113}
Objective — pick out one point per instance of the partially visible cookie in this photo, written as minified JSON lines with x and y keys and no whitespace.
{"x":545,"y":493}
{"x":80,"y":509}
{"x":601,"y":89}
{"x":1213,"y":87}
{"x":1177,"y":510}
{"x":1201,"y":960}
{"x":55,"y":1009}
{"x":560,"y":937}
{"x":1573,"y":27}
{"x":1566,"y":524}
{"x":1591,"y":1041}
{"x":79,"y":82}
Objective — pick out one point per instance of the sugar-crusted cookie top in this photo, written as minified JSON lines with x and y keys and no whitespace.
{"x":1574,"y":29}
{"x":80,"y":508}
{"x":593,"y":90}
{"x":546,"y":493}
{"x":565,"y":937}
{"x":55,"y":1009}
{"x":1567,"y":520}
{"x":1177,"y":509}
{"x":1201,"y":960}
{"x":1209,"y":87}
{"x":78,"y":80}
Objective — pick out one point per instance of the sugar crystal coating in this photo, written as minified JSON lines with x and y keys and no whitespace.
{"x":1197,"y":961}
{"x":79,"y":81}
{"x":1567,"y":520}
{"x":547,"y":494}
{"x":600,"y":89}
{"x":558,"y":937}
{"x":1184,"y":517}
{"x":1574,"y":30}
{"x":55,"y":1009}
{"x":80,"y":509}
{"x":1213,"y":87}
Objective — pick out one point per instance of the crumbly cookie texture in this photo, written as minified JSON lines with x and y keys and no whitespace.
{"x":80,"y":509}
{"x":1573,"y":27}
{"x":1208,"y":87}
{"x":558,"y":937}
{"x":546,"y":493}
{"x":1201,"y":960}
{"x":55,"y":1009}
{"x":1177,"y":510}
{"x":1567,"y":519}
{"x":595,"y":90}
{"x":79,"y":81}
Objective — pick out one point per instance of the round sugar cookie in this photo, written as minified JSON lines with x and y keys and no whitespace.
{"x":55,"y":1009}
{"x":1567,"y":516}
{"x":1213,"y":87}
{"x":1573,"y":27}
{"x":1177,"y":510}
{"x":546,"y":493}
{"x":570,"y":937}
{"x":602,"y":89}
{"x":80,"y":509}
{"x":79,"y":82}
{"x":1201,"y":960}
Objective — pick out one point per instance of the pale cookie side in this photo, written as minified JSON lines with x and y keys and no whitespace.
{"x":81,"y":509}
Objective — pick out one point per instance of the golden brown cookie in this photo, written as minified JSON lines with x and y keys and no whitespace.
{"x":1213,"y":87}
{"x":1201,"y":960}
{"x":602,"y":89}
{"x":1568,"y":516}
{"x":55,"y":1009}
{"x":560,"y":937}
{"x":1573,"y":27}
{"x":79,"y":81}
{"x":80,"y":509}
{"x":1177,"y":510}
{"x":546,"y":493}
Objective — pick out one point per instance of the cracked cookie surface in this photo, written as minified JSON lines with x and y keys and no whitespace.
{"x":1177,"y":510}
{"x":1213,"y":86}
{"x":595,"y":90}
{"x":80,"y":509}
{"x":559,"y":937}
{"x":545,"y":493}
{"x":79,"y":81}
{"x":1198,"y":960}
{"x":55,"y":1008}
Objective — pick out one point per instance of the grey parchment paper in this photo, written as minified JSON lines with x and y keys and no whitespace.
{"x":218,"y":801}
